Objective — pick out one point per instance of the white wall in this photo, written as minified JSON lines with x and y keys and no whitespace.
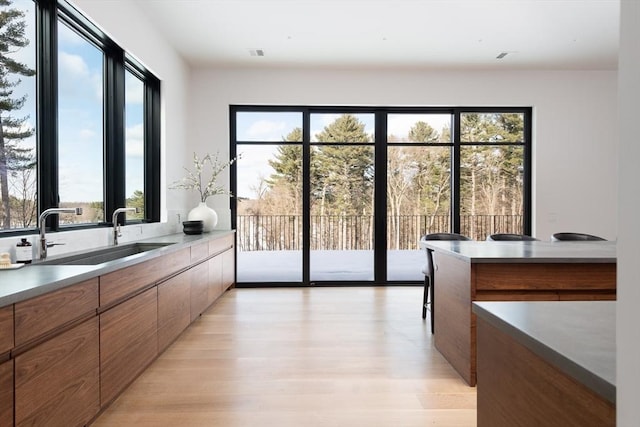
{"x":125,"y":23}
{"x":128,"y":26}
{"x":575,"y":132}
{"x":628,"y":337}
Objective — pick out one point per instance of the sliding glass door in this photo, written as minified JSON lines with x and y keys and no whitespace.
{"x":418,"y":187}
{"x":342,"y":195}
{"x":269,"y":198}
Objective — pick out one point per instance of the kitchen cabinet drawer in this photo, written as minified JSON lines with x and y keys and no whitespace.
{"x":38,"y":316}
{"x":228,"y":269}
{"x":6,"y":329}
{"x":217,"y":246}
{"x":128,"y":342}
{"x":215,"y":278}
{"x":118,"y":285}
{"x":199,"y":252}
{"x":544,"y":277}
{"x":199,"y":289}
{"x":173,"y":308}
{"x":6,"y":393}
{"x":57,"y":382}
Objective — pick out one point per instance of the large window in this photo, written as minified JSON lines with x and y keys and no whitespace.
{"x":80,"y":126}
{"x":342,"y":195}
{"x":79,"y":129}
{"x":18,"y":171}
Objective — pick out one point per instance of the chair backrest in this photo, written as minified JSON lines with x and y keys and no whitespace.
{"x":509,"y":236}
{"x":558,"y":237}
{"x":444,"y":236}
{"x":439,"y":236}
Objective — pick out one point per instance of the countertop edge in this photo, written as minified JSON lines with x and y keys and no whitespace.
{"x":435,"y":246}
{"x":86,"y":272}
{"x":584,"y":376}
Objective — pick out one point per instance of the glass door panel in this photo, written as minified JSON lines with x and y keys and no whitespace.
{"x":491,"y":190}
{"x":269,"y":213}
{"x":341,"y":198}
{"x":418,"y":202}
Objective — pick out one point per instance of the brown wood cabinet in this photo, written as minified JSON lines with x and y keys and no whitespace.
{"x":38,"y":316}
{"x":199,"y":289}
{"x":228,"y":269}
{"x":518,"y":387}
{"x":6,"y":393}
{"x":128,"y":342}
{"x":6,"y":329}
{"x":57,"y":382}
{"x":120,"y":284}
{"x":67,"y":354}
{"x":199,"y":252}
{"x":217,"y":246}
{"x":459,"y":281}
{"x":174,"y":308}
{"x":215,"y":278}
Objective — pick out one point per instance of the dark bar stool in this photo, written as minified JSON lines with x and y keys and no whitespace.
{"x":428,"y":271}
{"x":574,"y":237}
{"x":509,"y":237}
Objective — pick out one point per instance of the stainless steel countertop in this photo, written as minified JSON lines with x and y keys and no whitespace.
{"x":577,"y":337}
{"x":33,"y":280}
{"x":527,"y":251}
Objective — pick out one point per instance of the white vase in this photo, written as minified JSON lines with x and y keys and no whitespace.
{"x":204,"y":213}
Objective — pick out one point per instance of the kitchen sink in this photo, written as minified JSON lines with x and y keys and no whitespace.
{"x":98,"y":256}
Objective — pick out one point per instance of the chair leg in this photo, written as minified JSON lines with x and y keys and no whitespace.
{"x":433,"y":304}
{"x":425,"y":297}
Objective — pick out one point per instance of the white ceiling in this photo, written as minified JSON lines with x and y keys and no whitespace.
{"x":440,"y":34}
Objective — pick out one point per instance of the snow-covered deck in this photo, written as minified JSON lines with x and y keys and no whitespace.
{"x":286,"y":266}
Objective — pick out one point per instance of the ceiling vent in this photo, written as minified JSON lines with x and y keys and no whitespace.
{"x":256,"y":52}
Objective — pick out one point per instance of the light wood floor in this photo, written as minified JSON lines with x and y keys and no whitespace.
{"x":355,"y":356}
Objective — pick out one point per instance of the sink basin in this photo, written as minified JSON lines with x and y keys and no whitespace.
{"x":99,"y":256}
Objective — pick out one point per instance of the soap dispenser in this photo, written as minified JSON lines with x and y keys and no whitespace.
{"x":24,"y":251}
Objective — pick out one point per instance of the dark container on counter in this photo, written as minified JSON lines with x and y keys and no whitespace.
{"x":24,"y":252}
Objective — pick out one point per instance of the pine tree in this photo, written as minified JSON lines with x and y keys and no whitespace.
{"x":12,"y":156}
{"x":344,"y":171}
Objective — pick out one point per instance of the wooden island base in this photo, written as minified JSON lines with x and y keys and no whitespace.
{"x":516,"y":387}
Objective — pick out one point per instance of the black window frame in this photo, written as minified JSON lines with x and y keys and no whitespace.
{"x":116,"y":60}
{"x":380,"y":164}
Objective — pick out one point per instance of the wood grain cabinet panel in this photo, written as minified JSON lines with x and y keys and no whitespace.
{"x":118,"y":285}
{"x":6,"y":328}
{"x":199,"y":289}
{"x":37,"y":316}
{"x":199,"y":252}
{"x":228,"y":269}
{"x":215,"y":278}
{"x":6,"y":393}
{"x":128,"y":342}
{"x":544,"y":277}
{"x":220,"y":245}
{"x":174,"y":308}
{"x":516,"y":387}
{"x":57,"y":382}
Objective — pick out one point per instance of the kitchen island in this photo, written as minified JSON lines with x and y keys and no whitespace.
{"x":468,"y":271}
{"x":546,"y":363}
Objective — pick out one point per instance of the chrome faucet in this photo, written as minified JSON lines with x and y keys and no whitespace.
{"x":41,"y":223}
{"x":116,"y":226}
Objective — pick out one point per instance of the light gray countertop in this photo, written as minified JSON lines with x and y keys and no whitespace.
{"x":33,"y":280}
{"x":577,"y":337}
{"x":527,"y":251}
